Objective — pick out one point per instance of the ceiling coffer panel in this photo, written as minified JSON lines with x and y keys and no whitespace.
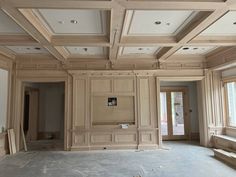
{"x":28,"y":49}
{"x":8,"y":26}
{"x":225,"y":26}
{"x":156,"y":22}
{"x":74,"y":21}
{"x":138,"y":52}
{"x":100,"y":51}
{"x":195,"y":50}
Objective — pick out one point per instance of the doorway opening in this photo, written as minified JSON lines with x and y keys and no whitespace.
{"x":43,"y":120}
{"x":179,"y":111}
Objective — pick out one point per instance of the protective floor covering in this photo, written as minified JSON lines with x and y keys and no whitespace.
{"x":180,"y":159}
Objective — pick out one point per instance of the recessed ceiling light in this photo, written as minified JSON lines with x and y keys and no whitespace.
{"x":157,"y":22}
{"x":74,"y":21}
{"x":185,"y":48}
{"x":140,"y":48}
{"x":37,"y":48}
{"x":61,"y":22}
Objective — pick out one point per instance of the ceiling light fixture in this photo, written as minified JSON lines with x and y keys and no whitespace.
{"x":74,"y":21}
{"x":185,"y":48}
{"x":157,"y":22}
{"x":37,"y":48}
{"x":61,"y":22}
{"x":140,"y":48}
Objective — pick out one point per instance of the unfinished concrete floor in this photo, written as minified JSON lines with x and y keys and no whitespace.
{"x":182,"y":160}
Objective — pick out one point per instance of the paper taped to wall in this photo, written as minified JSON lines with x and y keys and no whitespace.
{"x":124,"y":126}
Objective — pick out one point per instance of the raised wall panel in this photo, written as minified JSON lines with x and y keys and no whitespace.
{"x":146,"y":137}
{"x":126,"y":138}
{"x":101,"y":85}
{"x":124,"y":85}
{"x":80,"y":102}
{"x":144,"y":102}
{"x":79,"y":139}
{"x":101,"y":138}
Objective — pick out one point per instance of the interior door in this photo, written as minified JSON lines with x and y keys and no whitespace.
{"x":174,"y":113}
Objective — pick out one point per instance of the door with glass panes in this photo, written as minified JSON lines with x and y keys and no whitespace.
{"x":174,"y":113}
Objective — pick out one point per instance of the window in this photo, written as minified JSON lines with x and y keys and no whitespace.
{"x":231,"y":103}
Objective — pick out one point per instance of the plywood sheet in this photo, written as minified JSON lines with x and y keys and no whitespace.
{"x":104,"y":114}
{"x":80,"y":102}
{"x":124,"y":85}
{"x":101,"y":86}
{"x":144,"y":102}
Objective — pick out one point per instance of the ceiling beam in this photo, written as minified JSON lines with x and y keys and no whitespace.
{"x":231,"y":4}
{"x":35,"y":21}
{"x":62,"y":4}
{"x":17,"y":40}
{"x":19,"y":18}
{"x":214,"y":41}
{"x":7,"y":52}
{"x":117,"y":21}
{"x":131,"y":4}
{"x":173,"y":5}
{"x":80,"y":40}
{"x":148,"y":41}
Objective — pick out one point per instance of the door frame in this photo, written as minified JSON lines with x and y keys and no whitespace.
{"x":47,"y":77}
{"x":187,"y":124}
{"x":33,"y":112}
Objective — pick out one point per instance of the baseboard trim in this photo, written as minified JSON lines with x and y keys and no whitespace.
{"x":115,"y":147}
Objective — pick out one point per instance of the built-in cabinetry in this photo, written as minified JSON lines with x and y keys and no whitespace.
{"x":97,"y":121}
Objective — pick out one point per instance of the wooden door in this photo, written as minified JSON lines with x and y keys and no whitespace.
{"x":174,"y":113}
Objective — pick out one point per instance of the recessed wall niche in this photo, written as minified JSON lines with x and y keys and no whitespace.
{"x":122,"y":112}
{"x":113,"y":101}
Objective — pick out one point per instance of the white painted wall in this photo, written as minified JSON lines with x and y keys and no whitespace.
{"x":3,"y":98}
{"x":192,"y":87}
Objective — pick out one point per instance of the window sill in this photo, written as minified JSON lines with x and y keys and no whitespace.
{"x":231,"y":131}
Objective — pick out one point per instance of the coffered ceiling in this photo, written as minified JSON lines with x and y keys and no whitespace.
{"x":155,"y":22}
{"x":119,"y":31}
{"x":74,"y":21}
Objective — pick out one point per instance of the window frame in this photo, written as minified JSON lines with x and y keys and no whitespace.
{"x":226,"y":110}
